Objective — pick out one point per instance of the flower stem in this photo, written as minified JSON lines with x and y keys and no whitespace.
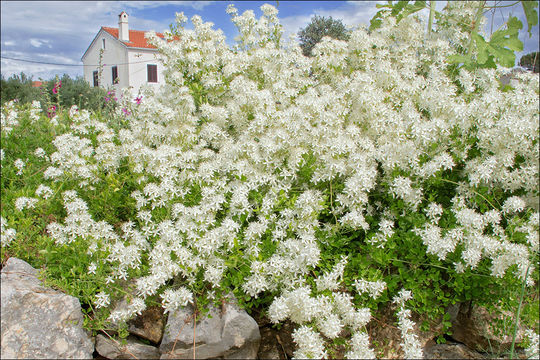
{"x":431,"y":15}
{"x":518,"y":313}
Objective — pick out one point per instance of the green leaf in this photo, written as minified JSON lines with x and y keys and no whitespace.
{"x":458,"y":58}
{"x":398,"y":7}
{"x":388,"y":5}
{"x":411,"y":9}
{"x":375,"y":23}
{"x":501,"y":46}
{"x":508,"y":37}
{"x":530,"y":14}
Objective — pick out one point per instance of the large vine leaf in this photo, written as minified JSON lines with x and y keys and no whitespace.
{"x":505,"y":42}
{"x":411,"y":9}
{"x":399,"y":10}
{"x":530,"y":14}
{"x":499,"y":50}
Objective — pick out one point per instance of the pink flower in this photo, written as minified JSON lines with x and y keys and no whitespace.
{"x":51,"y":111}
{"x":126,"y":112}
{"x":57,"y":87}
{"x":138,"y":100}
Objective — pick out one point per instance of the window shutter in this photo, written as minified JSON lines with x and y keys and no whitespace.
{"x":114,"y":74}
{"x":152,"y":73}
{"x":95,"y":75}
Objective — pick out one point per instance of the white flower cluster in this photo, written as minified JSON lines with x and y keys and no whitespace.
{"x":6,"y":234}
{"x":331,"y":314}
{"x":24,"y":202}
{"x":310,"y":344}
{"x":373,"y":288}
{"x":331,"y":280}
{"x":174,"y":299}
{"x":44,"y":191}
{"x":228,"y":155}
{"x":40,"y":153}
{"x":360,"y":347}
{"x":533,"y":350}
{"x":135,"y":307}
{"x":410,"y":345}
{"x":19,"y":164}
{"x":35,"y":111}
{"x":8,"y":118}
{"x":102,"y":300}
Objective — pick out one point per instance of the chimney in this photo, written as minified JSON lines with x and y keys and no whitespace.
{"x":123,"y":30}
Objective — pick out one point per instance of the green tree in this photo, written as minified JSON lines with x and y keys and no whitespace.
{"x":18,"y":87}
{"x":77,"y":92}
{"x":530,"y":61}
{"x":318,"y":28}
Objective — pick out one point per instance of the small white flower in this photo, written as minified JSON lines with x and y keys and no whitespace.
{"x":40,"y":153}
{"x":44,"y":191}
{"x":19,"y":164}
{"x":102,"y":300}
{"x":513,"y":204}
{"x":6,"y":234}
{"x":24,"y":202}
{"x":92,"y":268}
{"x":174,"y":299}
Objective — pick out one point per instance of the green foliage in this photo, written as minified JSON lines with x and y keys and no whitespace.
{"x":402,"y":262}
{"x":531,"y":61}
{"x":318,"y":28}
{"x":72,"y":92}
{"x":77,"y":92}
{"x":18,"y":87}
{"x":500,"y":49}
{"x":529,"y":8}
{"x":398,"y":10}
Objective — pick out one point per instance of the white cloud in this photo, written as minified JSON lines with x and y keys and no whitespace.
{"x":197,"y":5}
{"x":352,"y":13}
{"x":293,"y":24}
{"x":37,"y":43}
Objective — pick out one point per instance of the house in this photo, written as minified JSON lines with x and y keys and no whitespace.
{"x":120,"y":58}
{"x":36,"y":84}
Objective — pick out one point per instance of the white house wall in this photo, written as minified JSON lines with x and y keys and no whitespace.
{"x":138,"y":75}
{"x":113,"y":54}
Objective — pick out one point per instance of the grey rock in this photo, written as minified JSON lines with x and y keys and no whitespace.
{"x":475,"y":327}
{"x":39,"y":322}
{"x":131,"y":349}
{"x":451,"y":350}
{"x":148,"y":325}
{"x":229,"y":333}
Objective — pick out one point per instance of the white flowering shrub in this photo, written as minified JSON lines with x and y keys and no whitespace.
{"x":318,"y":188}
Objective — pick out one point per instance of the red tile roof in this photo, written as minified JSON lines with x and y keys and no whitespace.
{"x":136,"y":38}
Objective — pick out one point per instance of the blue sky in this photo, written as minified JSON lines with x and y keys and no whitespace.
{"x":61,"y":31}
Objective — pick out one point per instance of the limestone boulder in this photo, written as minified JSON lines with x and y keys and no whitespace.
{"x":450,"y":350}
{"x":477,"y":328}
{"x":38,"y":322}
{"x":228,"y":332}
{"x":148,"y":325}
{"x":129,"y":348}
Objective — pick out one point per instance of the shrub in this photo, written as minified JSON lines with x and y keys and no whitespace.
{"x":18,"y":87}
{"x":322,"y":188}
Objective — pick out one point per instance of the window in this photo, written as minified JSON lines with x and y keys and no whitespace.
{"x":152,"y":73}
{"x":103,"y":44}
{"x":96,"y":81}
{"x":114,"y":74}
